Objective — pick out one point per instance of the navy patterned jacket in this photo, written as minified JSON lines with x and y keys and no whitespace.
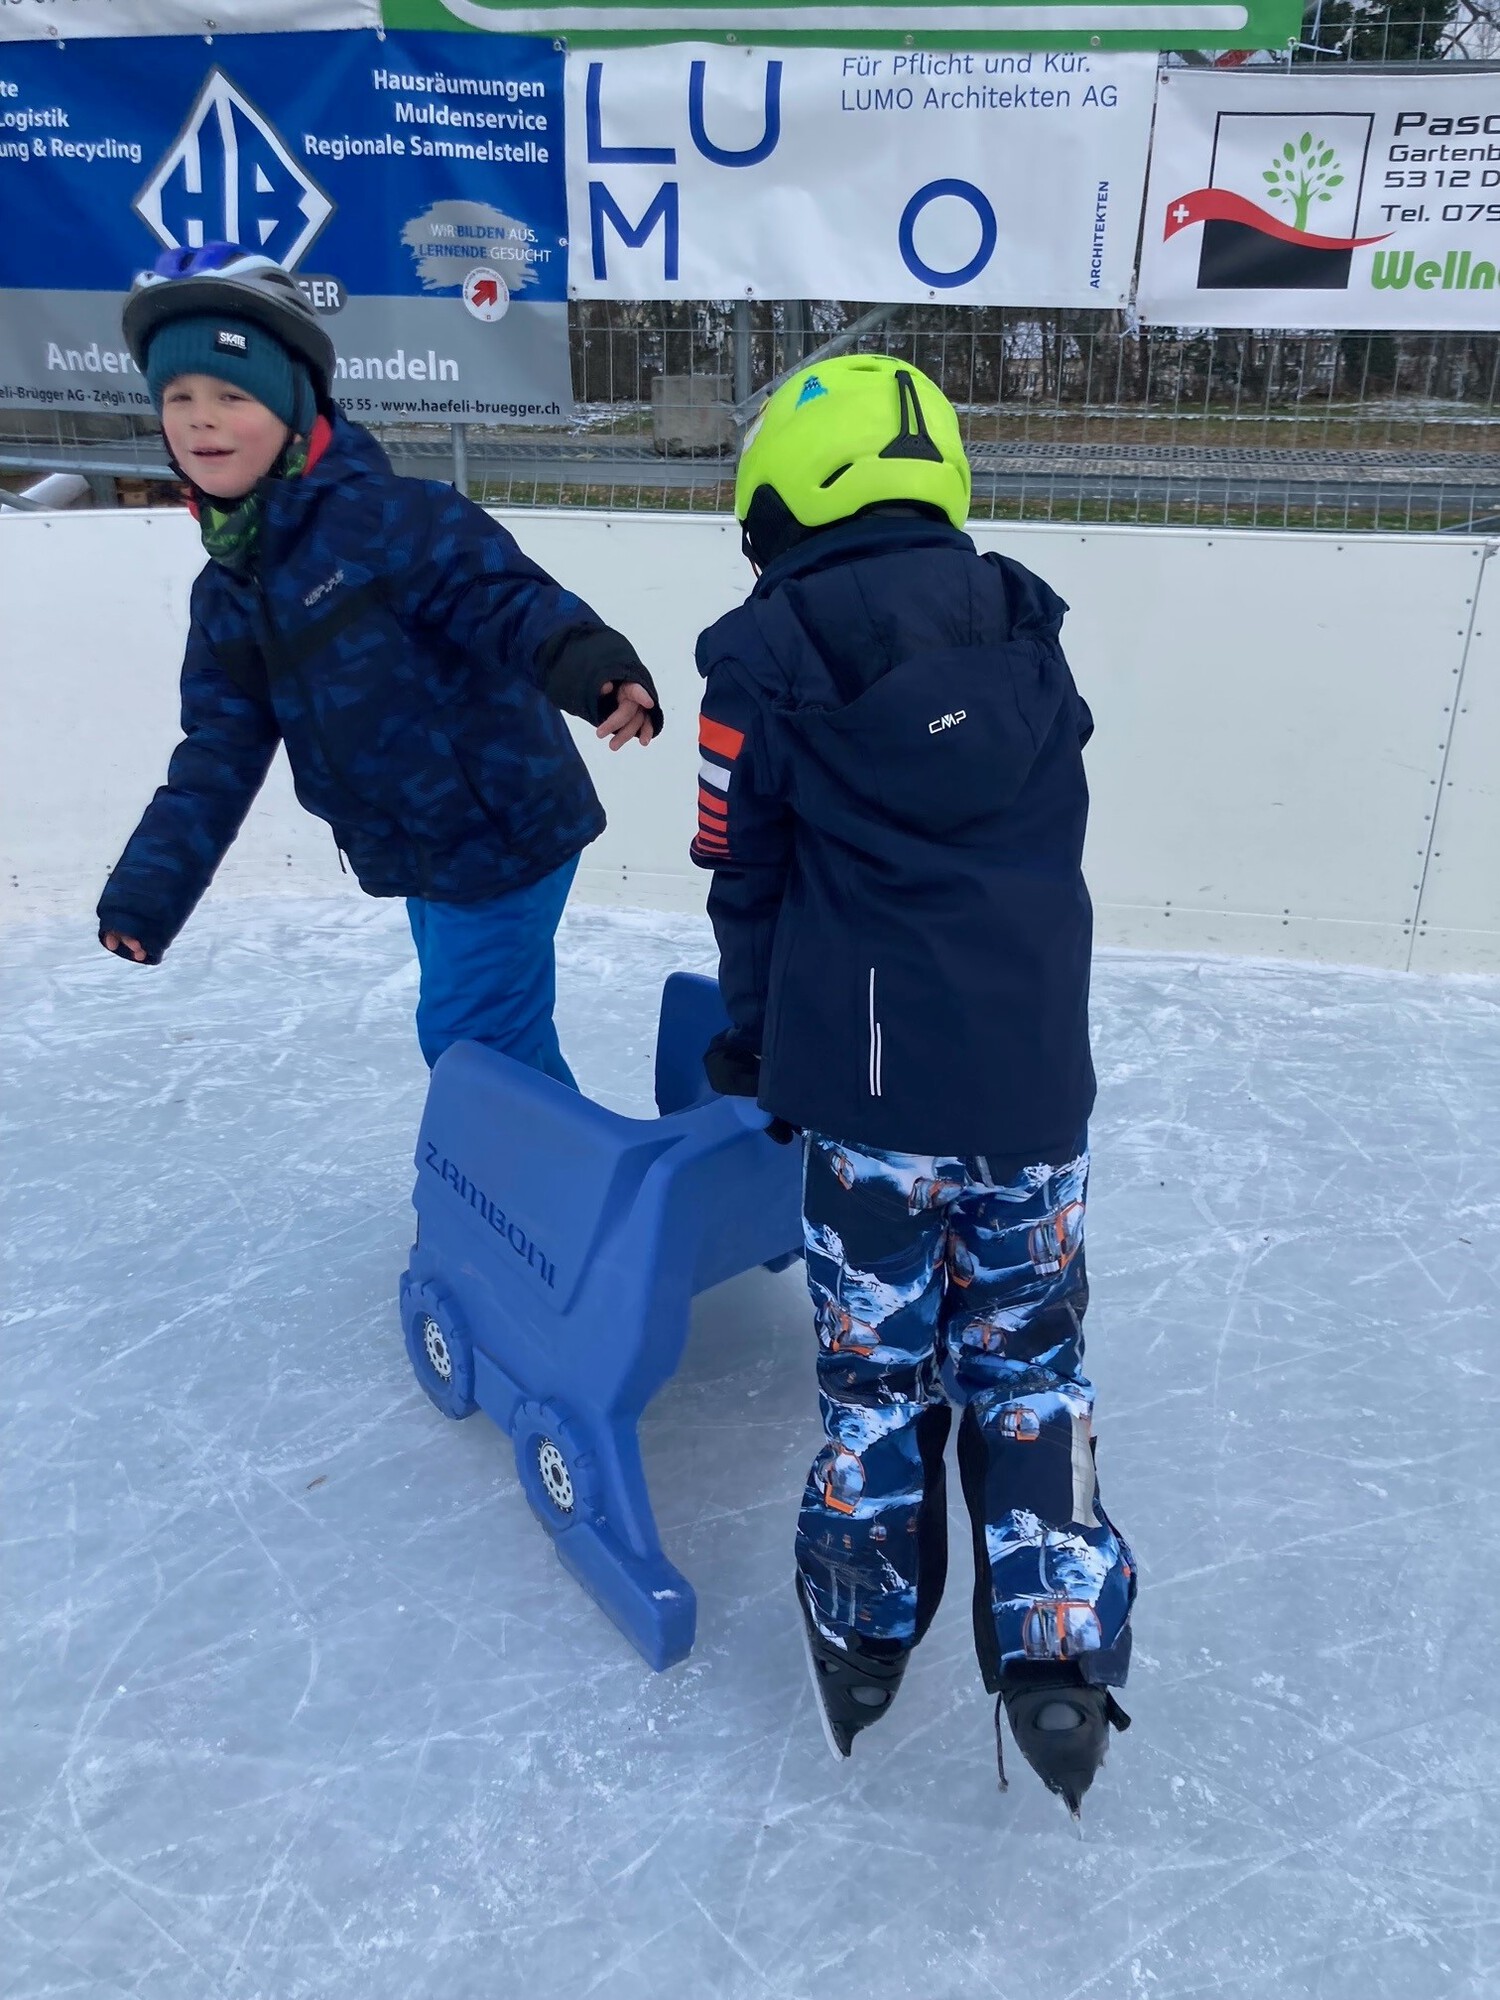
{"x":415,"y":664}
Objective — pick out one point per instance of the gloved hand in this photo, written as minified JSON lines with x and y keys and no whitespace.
{"x":732,"y":1065}
{"x":594,"y":672}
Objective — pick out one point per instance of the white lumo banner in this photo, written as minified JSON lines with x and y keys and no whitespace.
{"x":987,"y":178}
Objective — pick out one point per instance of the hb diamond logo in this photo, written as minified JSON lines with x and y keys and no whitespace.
{"x":231,"y":178}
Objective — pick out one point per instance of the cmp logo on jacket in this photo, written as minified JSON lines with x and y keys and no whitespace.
{"x":230,"y":177}
{"x":942,"y":722}
{"x":1281,"y":204}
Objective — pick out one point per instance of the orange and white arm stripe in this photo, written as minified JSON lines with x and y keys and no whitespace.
{"x":718,"y":747}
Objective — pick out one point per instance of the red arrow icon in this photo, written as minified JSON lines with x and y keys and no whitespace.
{"x":486,"y":292}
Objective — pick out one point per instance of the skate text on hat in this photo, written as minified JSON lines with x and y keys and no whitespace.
{"x":226,"y":342}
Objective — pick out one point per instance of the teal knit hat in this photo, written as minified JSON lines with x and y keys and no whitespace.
{"x":236,"y":351}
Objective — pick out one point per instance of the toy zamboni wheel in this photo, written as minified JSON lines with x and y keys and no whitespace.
{"x":556,"y":1468}
{"x":438,"y":1348}
{"x":557,"y":1481}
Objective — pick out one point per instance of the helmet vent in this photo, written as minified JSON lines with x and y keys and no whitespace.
{"x":836,"y":474}
{"x":913,"y":440}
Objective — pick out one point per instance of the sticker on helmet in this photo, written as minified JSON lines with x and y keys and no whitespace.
{"x":812,"y":388}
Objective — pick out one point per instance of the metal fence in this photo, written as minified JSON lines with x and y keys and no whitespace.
{"x":1410,"y":31}
{"x":1069,"y":416}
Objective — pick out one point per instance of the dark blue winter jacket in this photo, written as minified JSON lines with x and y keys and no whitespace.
{"x":892,"y":800}
{"x":413,"y":661}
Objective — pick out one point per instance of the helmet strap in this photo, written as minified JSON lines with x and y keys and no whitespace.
{"x":770,"y":528}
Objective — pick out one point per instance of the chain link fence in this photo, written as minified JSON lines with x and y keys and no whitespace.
{"x":1074,"y":416}
{"x":1394,"y":36}
{"x":1068,"y":416}
{"x":1080,"y":417}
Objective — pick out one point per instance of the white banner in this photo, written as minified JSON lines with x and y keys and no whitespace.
{"x":1325,"y":198}
{"x":80,"y":20}
{"x":993,"y":178}
{"x":1151,"y":24}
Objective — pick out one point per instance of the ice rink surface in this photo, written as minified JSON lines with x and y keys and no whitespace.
{"x":299,"y":1702}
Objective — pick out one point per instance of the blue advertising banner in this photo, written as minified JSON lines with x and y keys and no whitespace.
{"x":415,"y":184}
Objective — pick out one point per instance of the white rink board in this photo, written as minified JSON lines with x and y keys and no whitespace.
{"x":1273,"y":715}
{"x":1460,"y":922}
{"x":94,"y":613}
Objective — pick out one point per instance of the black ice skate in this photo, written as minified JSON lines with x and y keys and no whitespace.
{"x":855,"y":1683}
{"x":1061,"y":1726}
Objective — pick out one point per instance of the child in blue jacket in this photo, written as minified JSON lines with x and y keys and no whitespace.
{"x":415,"y":663}
{"x":892,"y":801}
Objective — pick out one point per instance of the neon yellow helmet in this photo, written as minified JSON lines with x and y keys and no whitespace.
{"x":855,"y":432}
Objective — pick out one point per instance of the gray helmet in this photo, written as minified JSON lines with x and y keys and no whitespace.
{"x":226,"y":278}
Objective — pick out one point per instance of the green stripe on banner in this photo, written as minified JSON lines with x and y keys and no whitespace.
{"x":917,"y":24}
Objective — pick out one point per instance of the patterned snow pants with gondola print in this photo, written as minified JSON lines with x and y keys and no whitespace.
{"x":939,"y":1287}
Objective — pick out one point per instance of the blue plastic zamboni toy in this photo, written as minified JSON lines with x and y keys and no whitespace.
{"x":559,"y":1248}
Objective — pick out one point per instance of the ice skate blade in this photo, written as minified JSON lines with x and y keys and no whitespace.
{"x":1071,"y":1800}
{"x":839,"y":1751}
{"x":1074,"y":1808}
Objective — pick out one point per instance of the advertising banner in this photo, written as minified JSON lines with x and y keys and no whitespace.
{"x":413,"y":183}
{"x":75,"y":20}
{"x":1325,"y":199}
{"x":975,"y":178}
{"x":898,"y":24}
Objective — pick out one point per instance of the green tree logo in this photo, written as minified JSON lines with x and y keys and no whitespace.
{"x":1302,"y":174}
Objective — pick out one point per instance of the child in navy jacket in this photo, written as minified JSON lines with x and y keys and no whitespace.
{"x":414,"y":662}
{"x":892,"y":802}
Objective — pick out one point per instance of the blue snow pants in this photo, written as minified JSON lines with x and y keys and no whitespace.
{"x":489,"y":975}
{"x":935,"y":1287}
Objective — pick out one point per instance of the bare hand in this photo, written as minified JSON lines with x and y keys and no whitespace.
{"x":129,"y":946}
{"x":632,"y":715}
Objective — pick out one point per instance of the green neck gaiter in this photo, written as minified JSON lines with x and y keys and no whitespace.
{"x":230,"y":533}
